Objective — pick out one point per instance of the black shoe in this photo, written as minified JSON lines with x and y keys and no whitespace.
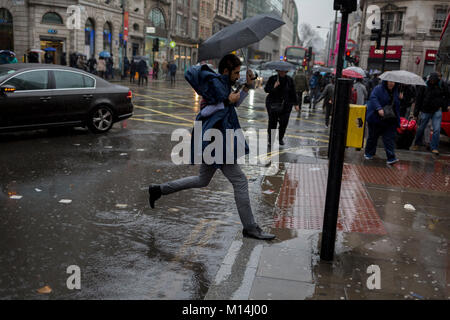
{"x":257,"y":233}
{"x":154,"y":192}
{"x":281,"y":143}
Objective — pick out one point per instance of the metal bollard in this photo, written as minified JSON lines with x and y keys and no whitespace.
{"x":335,"y":168}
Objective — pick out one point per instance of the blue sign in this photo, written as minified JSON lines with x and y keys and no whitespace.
{"x":53,"y":31}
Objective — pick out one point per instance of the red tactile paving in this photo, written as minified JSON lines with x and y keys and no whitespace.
{"x":301,"y":201}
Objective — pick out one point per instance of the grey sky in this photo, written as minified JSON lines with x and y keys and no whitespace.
{"x":316,"y":13}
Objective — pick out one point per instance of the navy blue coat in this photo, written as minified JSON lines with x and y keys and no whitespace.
{"x":214,"y":88}
{"x":378,"y":99}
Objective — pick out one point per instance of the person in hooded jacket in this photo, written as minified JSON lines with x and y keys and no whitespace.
{"x":218,"y":89}
{"x":431,"y":102}
{"x":386,"y":93}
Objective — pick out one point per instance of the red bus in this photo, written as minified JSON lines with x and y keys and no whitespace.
{"x":296,"y":55}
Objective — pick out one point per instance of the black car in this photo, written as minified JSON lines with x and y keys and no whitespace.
{"x":36,"y":96}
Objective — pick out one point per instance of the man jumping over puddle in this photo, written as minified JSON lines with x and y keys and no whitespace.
{"x":218,"y":112}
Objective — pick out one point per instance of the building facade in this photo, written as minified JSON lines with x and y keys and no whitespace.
{"x":268,"y":48}
{"x":184,"y":33}
{"x":415,"y":28}
{"x":157,"y":22}
{"x":205,"y":21}
{"x":40,"y":24}
{"x":287,"y":34}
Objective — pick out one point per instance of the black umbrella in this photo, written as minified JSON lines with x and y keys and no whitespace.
{"x":279,"y":65}
{"x":239,"y":35}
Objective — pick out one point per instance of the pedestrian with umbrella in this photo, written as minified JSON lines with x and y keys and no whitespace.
{"x":430,"y":103}
{"x":228,"y":39}
{"x":48,"y":56}
{"x":223,"y":120}
{"x":383,"y":111}
{"x":280,"y":99}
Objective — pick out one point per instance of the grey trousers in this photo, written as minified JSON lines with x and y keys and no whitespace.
{"x":233,"y":173}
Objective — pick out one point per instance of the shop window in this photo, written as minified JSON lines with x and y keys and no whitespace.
{"x":440,"y":14}
{"x":52,"y":18}
{"x":6,"y":30}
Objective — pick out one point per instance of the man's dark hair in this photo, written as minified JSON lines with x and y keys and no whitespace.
{"x":230,"y":62}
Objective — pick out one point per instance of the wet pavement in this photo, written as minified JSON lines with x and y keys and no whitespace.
{"x":190,"y":246}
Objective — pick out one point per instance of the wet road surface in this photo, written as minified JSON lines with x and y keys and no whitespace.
{"x":124,"y":249}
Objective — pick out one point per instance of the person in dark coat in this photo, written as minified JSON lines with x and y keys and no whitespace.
{"x":407,"y":96}
{"x":63,"y":59}
{"x":33,"y":57}
{"x":126,"y":67}
{"x":133,"y":70}
{"x":431,"y":102}
{"x":373,"y":83}
{"x":172,"y":72}
{"x":223,"y":120}
{"x":281,"y":90}
{"x":328,"y":97}
{"x":382,"y":95}
{"x":142,"y":69}
{"x":48,"y":57}
{"x":92,"y":64}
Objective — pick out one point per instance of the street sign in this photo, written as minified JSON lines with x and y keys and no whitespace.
{"x":351,"y":45}
{"x":151,"y":30}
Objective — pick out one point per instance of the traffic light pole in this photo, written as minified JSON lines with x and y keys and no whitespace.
{"x":339,"y":68}
{"x":385,"y":47}
{"x":338,"y":137}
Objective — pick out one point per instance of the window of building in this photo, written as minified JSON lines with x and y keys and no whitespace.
{"x":231,"y":8}
{"x":89,"y":37}
{"x":157,"y":18}
{"x":226,"y":7}
{"x":179,"y":23}
{"x":194,"y":28}
{"x":399,"y":22}
{"x":6,"y":30}
{"x":440,"y":14}
{"x":52,"y":18}
{"x":107,"y":37}
{"x":135,"y":27}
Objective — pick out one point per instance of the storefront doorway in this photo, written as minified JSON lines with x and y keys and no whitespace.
{"x":59,"y":47}
{"x":430,"y":61}
{"x":392,"y":62}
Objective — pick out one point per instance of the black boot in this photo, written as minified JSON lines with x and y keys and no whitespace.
{"x":257,"y":233}
{"x":154,"y":192}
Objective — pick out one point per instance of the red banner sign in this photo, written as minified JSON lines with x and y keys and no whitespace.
{"x":430,"y":55}
{"x":125,"y":26}
{"x":393,"y":52}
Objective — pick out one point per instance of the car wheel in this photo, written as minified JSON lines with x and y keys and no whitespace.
{"x":100,"y":119}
